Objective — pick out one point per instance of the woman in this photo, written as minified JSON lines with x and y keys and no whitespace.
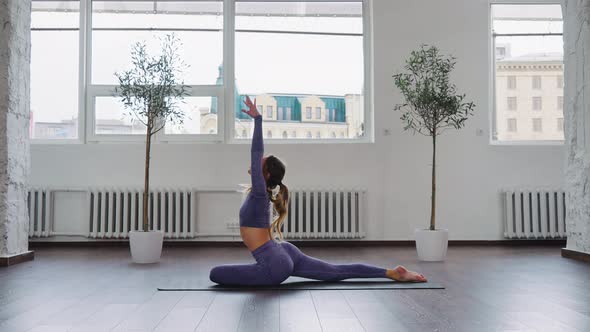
{"x":276,"y":261}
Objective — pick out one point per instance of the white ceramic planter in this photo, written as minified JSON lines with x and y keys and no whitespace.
{"x":146,"y":247}
{"x":432,"y":245}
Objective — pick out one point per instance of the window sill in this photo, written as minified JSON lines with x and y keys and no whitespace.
{"x":527,"y":143}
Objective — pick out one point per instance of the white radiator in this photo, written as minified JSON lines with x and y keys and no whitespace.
{"x":115,"y":212}
{"x":39,"y":205}
{"x":325,"y":214}
{"x":534,"y":213}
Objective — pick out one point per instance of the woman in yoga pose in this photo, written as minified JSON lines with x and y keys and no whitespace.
{"x":276,"y":261}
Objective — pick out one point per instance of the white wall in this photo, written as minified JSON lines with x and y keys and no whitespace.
{"x":577,"y":107}
{"x":15,"y":55}
{"x":395,"y":169}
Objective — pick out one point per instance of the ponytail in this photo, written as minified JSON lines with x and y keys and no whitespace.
{"x":280,"y":203}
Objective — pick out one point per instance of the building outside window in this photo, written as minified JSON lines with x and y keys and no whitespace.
{"x":511,"y":125}
{"x":528,"y":68}
{"x":537,"y":82}
{"x":559,"y":124}
{"x":511,"y":101}
{"x":280,"y":113}
{"x":537,"y":125}
{"x":560,"y":82}
{"x":537,"y":103}
{"x":511,"y":81}
{"x":500,"y":52}
{"x":288,"y":115}
{"x":269,"y":112}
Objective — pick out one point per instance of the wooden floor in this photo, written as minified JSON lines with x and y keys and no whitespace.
{"x":488,"y":289}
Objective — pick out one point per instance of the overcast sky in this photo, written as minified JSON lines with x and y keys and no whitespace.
{"x":265,"y":62}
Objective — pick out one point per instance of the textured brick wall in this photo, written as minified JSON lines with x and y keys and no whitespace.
{"x":15,"y":57}
{"x":577,"y":114}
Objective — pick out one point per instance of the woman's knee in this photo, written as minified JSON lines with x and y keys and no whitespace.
{"x":216,"y":274}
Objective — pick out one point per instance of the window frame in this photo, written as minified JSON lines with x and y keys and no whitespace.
{"x":81,"y":137}
{"x":534,"y":100}
{"x":492,"y":79}
{"x":508,"y":127}
{"x":511,"y":82}
{"x":87,"y":91}
{"x":509,"y":104}
{"x":537,"y":82}
{"x":270,"y":115}
{"x":102,"y":90}
{"x":368,"y":93}
{"x":538,"y":121}
{"x":560,"y":126}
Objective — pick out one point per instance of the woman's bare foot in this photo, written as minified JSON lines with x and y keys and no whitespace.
{"x":400,"y":273}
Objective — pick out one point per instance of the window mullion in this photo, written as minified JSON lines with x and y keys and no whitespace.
{"x":89,"y":111}
{"x":83,"y":19}
{"x":368,"y":132}
{"x":526,"y":34}
{"x":225,"y":115}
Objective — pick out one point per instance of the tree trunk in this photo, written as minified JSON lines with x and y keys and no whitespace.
{"x":433,"y":196}
{"x":146,"y":188}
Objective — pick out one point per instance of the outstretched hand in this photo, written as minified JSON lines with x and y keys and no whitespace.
{"x":252,"y":110}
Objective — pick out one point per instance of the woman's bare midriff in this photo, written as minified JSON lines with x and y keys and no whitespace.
{"x":254,"y":237}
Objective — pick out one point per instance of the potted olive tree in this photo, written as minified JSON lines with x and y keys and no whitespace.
{"x":151,"y":92}
{"x":431,"y":106}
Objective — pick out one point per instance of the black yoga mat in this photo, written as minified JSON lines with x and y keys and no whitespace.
{"x":294,"y":283}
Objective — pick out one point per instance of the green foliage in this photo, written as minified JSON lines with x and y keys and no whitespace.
{"x":432,"y":104}
{"x":152,"y":89}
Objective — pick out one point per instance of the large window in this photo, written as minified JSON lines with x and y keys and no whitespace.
{"x":83,"y":43}
{"x":313,"y":59}
{"x":118,"y":25}
{"x":55,"y":69}
{"x":529,"y":50}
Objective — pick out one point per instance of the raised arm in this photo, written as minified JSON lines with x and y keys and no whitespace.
{"x":257,"y":150}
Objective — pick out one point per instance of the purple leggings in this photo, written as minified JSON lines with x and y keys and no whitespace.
{"x":276,"y":261}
